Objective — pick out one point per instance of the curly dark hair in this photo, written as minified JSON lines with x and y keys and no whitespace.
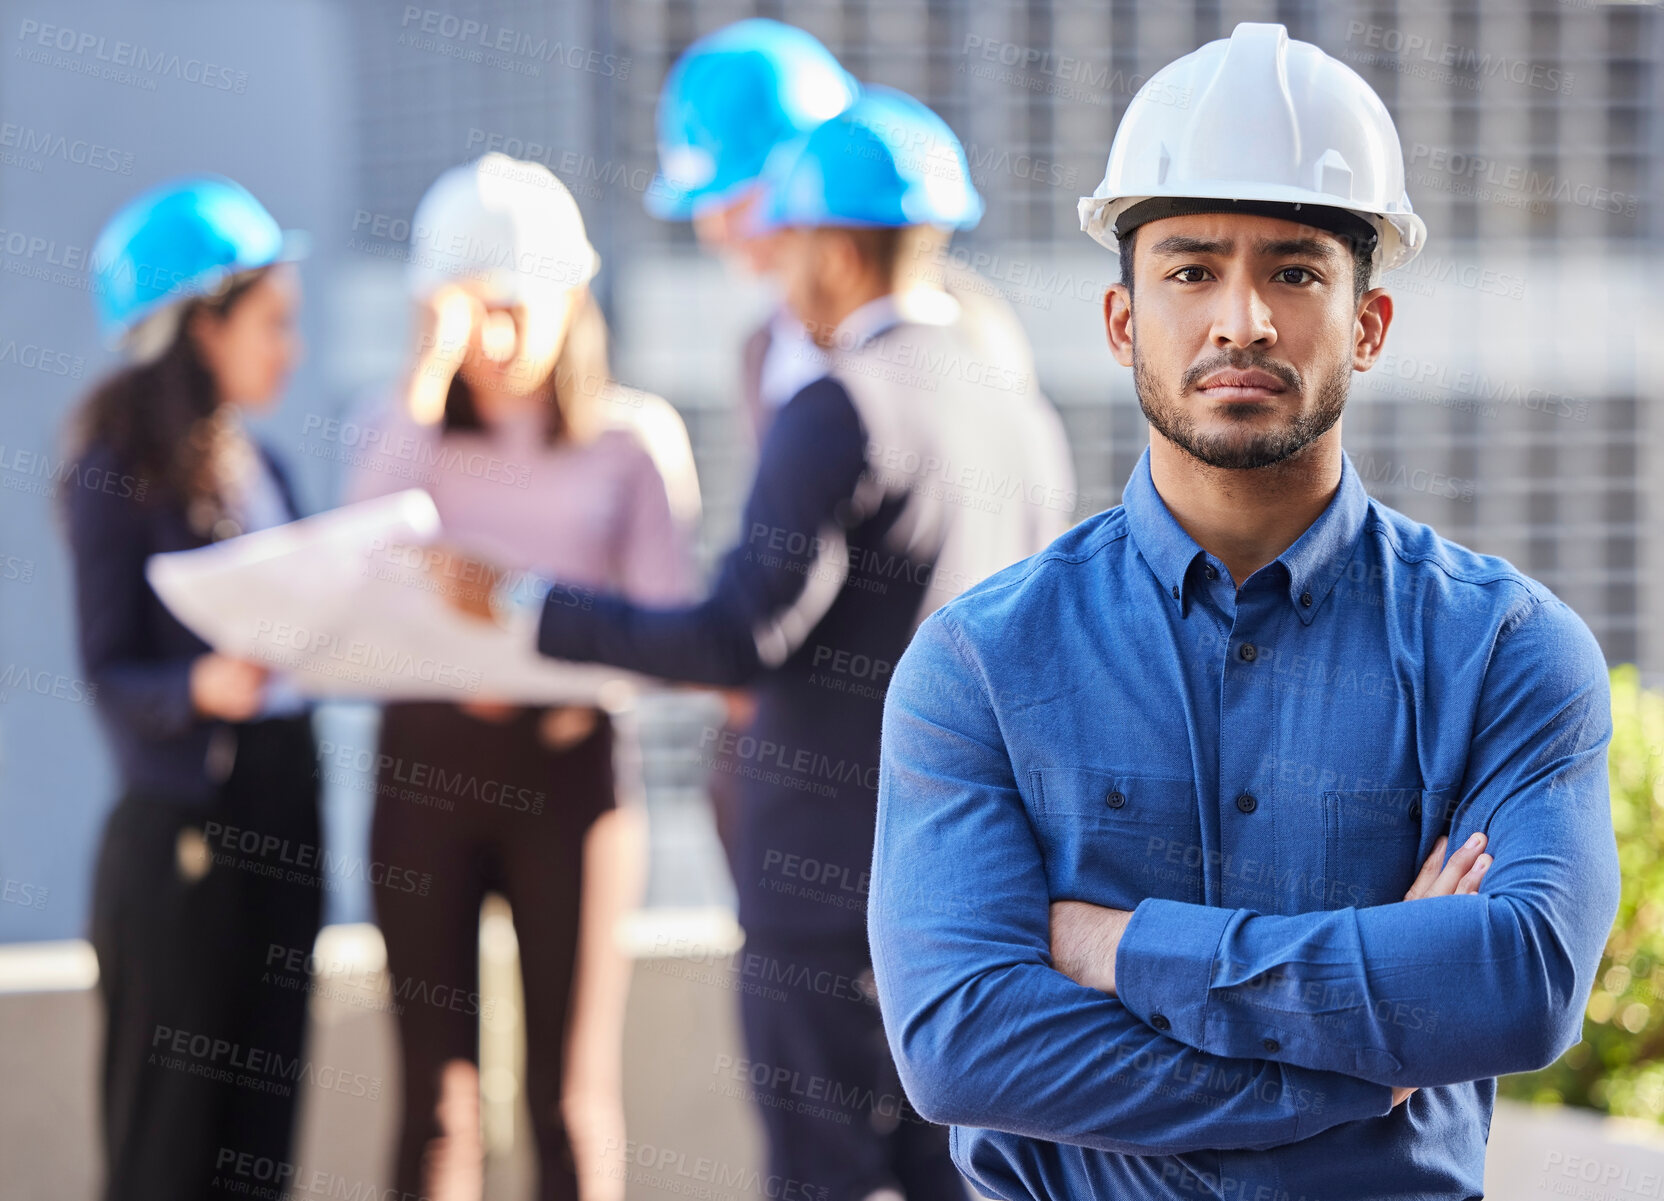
{"x":162,"y":419}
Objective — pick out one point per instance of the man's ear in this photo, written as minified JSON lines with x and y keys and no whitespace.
{"x":1369,"y":332}
{"x":1118,"y":322}
{"x":828,"y":256}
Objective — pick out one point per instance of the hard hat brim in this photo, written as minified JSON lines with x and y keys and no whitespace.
{"x":1402,"y":234}
{"x":296,"y":245}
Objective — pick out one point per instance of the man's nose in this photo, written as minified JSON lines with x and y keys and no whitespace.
{"x":1243,"y":318}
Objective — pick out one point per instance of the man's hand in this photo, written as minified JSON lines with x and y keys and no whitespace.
{"x":225,"y":687}
{"x":464,"y":582}
{"x":1084,"y":941}
{"x":1459,"y":877}
{"x":1085,"y":937}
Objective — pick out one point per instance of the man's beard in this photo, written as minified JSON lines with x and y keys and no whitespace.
{"x":1225,"y":450}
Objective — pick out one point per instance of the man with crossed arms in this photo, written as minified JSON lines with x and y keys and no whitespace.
{"x":1167,"y":785}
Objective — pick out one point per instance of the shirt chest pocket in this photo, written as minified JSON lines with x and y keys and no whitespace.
{"x":1114,"y":838}
{"x":1374,"y":842}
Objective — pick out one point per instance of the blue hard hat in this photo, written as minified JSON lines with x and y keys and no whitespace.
{"x":181,"y":239}
{"x":732,"y":97}
{"x":887,"y":160}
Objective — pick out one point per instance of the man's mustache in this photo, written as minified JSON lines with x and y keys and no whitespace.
{"x":1240,"y":360}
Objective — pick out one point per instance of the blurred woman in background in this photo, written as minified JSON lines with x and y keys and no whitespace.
{"x":193,"y":285}
{"x":510,"y":420}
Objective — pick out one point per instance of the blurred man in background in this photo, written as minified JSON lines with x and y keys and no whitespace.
{"x":911,"y":469}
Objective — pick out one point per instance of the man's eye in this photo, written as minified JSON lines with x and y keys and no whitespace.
{"x":1295,"y":275}
{"x":1190,"y":275}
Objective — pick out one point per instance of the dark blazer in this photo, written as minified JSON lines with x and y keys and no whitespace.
{"x":133,"y":651}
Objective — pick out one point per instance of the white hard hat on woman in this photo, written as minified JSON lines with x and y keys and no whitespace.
{"x":506,"y":226}
{"x":501,"y":233}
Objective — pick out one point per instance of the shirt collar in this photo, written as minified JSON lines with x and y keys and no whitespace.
{"x":1312,"y":563}
{"x":867,"y":322}
{"x":918,"y":306}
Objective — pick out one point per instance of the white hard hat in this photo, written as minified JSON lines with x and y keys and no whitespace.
{"x":1260,"y":119}
{"x":508,"y":226}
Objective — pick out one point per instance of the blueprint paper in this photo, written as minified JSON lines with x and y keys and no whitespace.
{"x":344,"y":605}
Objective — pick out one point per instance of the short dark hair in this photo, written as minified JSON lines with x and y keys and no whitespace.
{"x":879,"y":247}
{"x":1363,"y":255}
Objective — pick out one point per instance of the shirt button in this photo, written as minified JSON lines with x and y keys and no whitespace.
{"x":1247,"y":653}
{"x":1415,"y":811}
{"x":1115,"y":799}
{"x":1306,"y":599}
{"x":1210,"y":571}
{"x":1175,"y":592}
{"x":1160,"y":1023}
{"x":1272,"y":1044}
{"x":1247,"y":802}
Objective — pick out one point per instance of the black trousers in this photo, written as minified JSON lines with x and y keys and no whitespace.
{"x":837,"y":1121}
{"x":202,"y":1053}
{"x":477,"y":806}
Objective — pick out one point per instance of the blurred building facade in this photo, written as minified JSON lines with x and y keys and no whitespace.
{"x":1515,"y":407}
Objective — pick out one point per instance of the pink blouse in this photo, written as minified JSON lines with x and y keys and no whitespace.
{"x":594,"y":513}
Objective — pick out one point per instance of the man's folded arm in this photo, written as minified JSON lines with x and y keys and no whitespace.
{"x":1440,"y":990}
{"x":985,"y":1031}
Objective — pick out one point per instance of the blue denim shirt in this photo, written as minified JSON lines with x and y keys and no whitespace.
{"x":1257,"y":773}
